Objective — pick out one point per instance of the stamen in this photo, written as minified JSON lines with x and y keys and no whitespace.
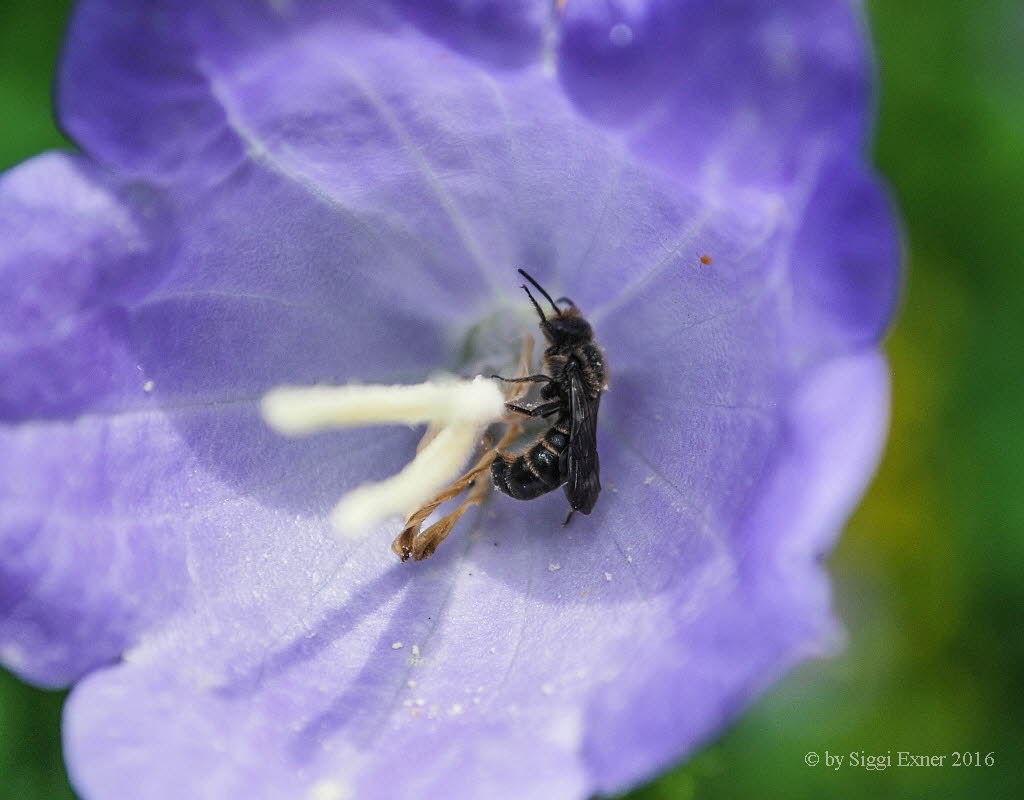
{"x":432,"y":468}
{"x":297,"y":410}
{"x":411,"y":543}
{"x":457,"y":411}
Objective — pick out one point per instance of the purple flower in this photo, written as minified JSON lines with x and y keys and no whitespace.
{"x":309,"y":192}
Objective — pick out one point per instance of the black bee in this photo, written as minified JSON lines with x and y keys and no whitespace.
{"x":567,"y":452}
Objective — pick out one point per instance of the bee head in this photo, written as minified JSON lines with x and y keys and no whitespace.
{"x":566,"y":327}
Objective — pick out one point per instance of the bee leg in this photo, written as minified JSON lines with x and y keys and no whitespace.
{"x":527,"y":379}
{"x":568,"y":518}
{"x":541,"y":410}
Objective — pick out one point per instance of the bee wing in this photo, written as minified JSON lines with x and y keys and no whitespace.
{"x":583,"y":467}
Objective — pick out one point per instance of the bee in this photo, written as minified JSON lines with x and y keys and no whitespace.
{"x":566,"y":453}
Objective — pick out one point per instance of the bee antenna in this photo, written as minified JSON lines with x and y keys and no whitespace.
{"x":536,"y":305}
{"x":540,"y":289}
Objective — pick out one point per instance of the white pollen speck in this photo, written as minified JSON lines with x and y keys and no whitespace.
{"x":407,"y":703}
{"x":621,"y":35}
{"x":608,"y":577}
{"x":629,"y":559}
{"x":411,"y":684}
{"x":476,"y":699}
{"x":396,"y":645}
{"x":456,"y":710}
{"x":148,"y":386}
{"x":649,"y":480}
{"x":494,"y":649}
{"x":420,"y":702}
{"x":548,"y":689}
{"x":416,"y":651}
{"x":552,"y":567}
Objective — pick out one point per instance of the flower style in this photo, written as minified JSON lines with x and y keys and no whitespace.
{"x":306,"y":192}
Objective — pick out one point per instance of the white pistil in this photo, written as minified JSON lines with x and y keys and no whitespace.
{"x":460,"y":409}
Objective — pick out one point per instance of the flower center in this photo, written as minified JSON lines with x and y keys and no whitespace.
{"x":494,"y":344}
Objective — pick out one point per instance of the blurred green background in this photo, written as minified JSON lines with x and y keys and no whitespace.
{"x":930,"y":573}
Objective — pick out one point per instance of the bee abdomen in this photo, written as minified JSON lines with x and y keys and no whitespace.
{"x":535,"y":472}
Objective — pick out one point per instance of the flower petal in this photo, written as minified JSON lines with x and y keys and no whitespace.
{"x":505,"y":33}
{"x":595,"y":656}
{"x":130,"y":397}
{"x":356,"y":229}
{"x":66,"y":287}
{"x":134,"y":89}
{"x":844,"y":290}
{"x":67,"y":599}
{"x":714,"y":655}
{"x":736,"y":95}
{"x":132,"y":94}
